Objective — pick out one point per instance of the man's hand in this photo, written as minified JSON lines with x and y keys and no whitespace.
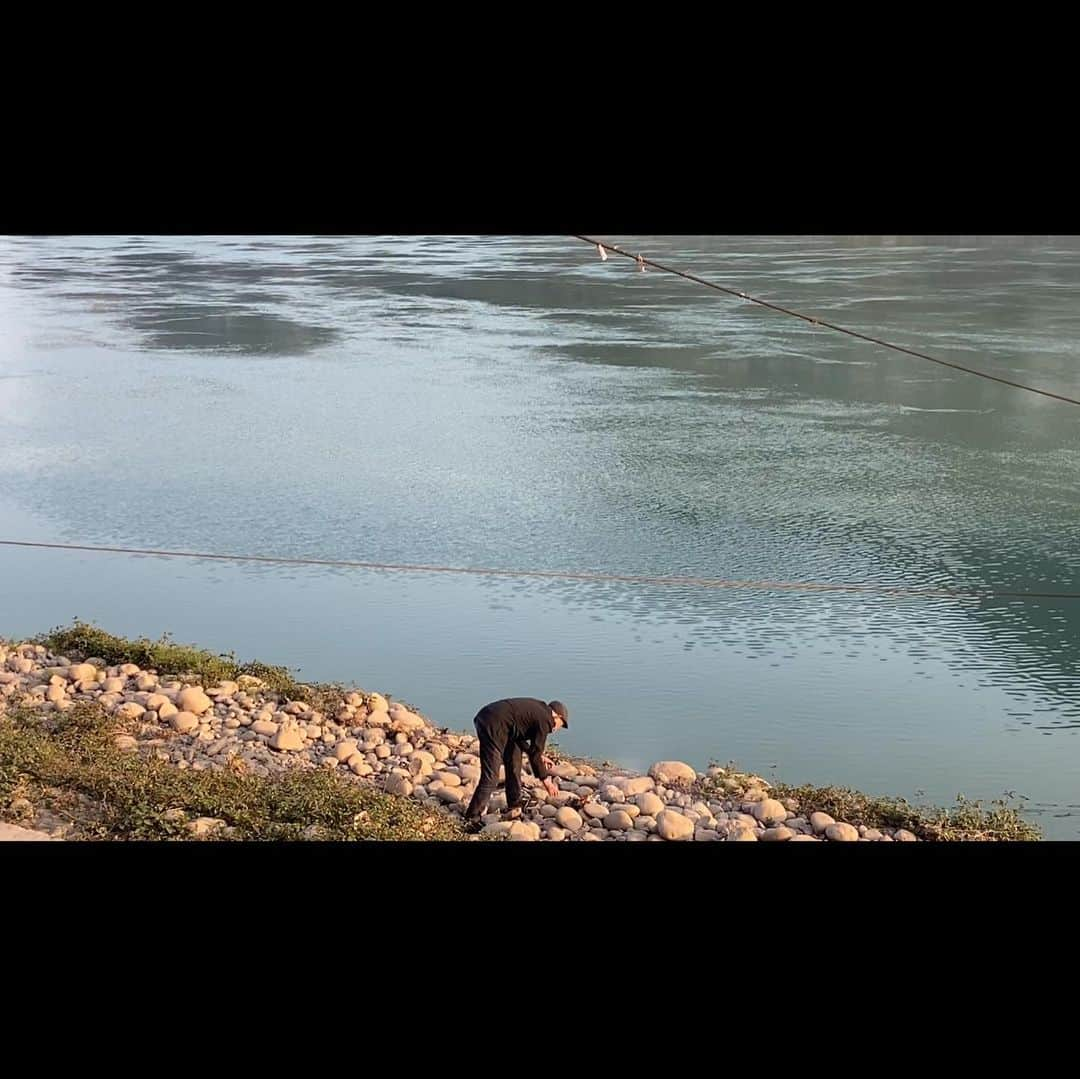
{"x":550,"y":787}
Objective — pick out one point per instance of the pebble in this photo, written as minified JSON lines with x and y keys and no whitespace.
{"x":288,"y":738}
{"x":902,"y":835}
{"x":820,"y":821}
{"x":203,"y":826}
{"x":649,"y":804}
{"x":619,"y":821}
{"x":770,"y":812}
{"x":524,"y":831}
{"x":674,"y":826}
{"x":670,"y":772}
{"x":193,"y":699}
{"x":742,"y":834}
{"x":184,"y":722}
{"x":569,"y":818}
{"x":343,"y":751}
{"x":399,"y":785}
{"x":401,"y":719}
{"x":778,"y":833}
{"x":842,"y":833}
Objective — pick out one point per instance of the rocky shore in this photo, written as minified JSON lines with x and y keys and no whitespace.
{"x":244,"y":726}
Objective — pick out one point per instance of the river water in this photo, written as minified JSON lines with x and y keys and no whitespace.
{"x":516,"y":403}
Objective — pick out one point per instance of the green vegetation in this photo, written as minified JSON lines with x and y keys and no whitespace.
{"x":67,"y":762}
{"x":966,"y":821}
{"x":84,"y":640}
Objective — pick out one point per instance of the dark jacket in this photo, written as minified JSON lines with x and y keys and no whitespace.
{"x":524,"y":720}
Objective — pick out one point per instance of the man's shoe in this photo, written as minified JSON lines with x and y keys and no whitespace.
{"x":513,"y":813}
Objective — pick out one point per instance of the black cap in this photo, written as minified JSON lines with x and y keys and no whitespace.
{"x":560,"y":709}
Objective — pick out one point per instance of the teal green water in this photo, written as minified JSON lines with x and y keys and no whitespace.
{"x":517,"y":403}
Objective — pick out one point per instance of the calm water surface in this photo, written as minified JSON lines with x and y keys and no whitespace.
{"x":517,"y":403}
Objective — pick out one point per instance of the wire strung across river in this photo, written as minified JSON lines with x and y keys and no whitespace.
{"x":913,"y":591}
{"x":643,"y":262}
